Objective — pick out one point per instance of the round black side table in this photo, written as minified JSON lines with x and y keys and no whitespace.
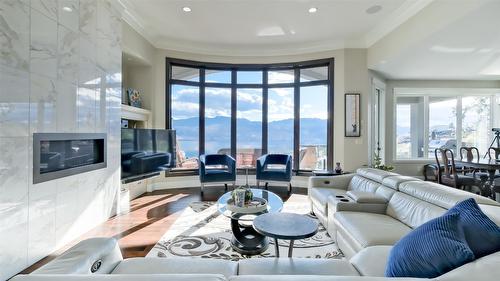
{"x":286,"y":226}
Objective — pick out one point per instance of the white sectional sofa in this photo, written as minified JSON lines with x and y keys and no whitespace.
{"x":377,"y":209}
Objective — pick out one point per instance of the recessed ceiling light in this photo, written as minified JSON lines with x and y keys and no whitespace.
{"x":67,"y":9}
{"x":313,"y":10}
{"x":186,"y":9}
{"x":373,"y":9}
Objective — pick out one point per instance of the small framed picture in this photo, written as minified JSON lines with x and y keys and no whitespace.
{"x":134,"y":98}
{"x":352,"y":115}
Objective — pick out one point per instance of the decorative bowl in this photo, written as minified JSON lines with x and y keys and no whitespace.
{"x":257,"y":205}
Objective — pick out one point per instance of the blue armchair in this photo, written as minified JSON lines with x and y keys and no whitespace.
{"x":281,"y":172}
{"x":224,"y":170}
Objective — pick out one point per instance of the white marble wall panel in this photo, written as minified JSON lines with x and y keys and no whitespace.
{"x":67,"y":107}
{"x":52,"y":80}
{"x":43,"y":104}
{"x":14,"y":34}
{"x":43,"y":45}
{"x":69,"y":14}
{"x":88,"y":19}
{"x":68,"y":54}
{"x":14,"y":102}
{"x":13,"y":205}
{"x":46,"y":7}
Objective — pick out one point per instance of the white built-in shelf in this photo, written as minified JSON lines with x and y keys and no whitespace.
{"x":135,"y":113}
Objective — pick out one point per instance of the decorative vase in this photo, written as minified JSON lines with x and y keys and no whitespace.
{"x":338,"y":169}
{"x":242,"y":196}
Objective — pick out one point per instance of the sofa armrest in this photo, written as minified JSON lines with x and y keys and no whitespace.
{"x":366,"y":197}
{"x":336,"y":205}
{"x":337,"y":182}
{"x":91,"y":256}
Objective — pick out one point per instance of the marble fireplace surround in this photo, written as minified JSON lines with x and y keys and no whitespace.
{"x":60,"y":72}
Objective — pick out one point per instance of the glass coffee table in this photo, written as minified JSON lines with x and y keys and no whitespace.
{"x":246,"y":240}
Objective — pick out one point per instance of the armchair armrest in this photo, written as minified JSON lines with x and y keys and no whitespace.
{"x":231,"y":164}
{"x":261,"y":161}
{"x":289,"y":166}
{"x":201,"y":164}
{"x":337,"y":182}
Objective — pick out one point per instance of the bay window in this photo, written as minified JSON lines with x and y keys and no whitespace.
{"x":249,"y":110}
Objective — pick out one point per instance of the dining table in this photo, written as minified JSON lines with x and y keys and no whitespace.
{"x":489,"y":165}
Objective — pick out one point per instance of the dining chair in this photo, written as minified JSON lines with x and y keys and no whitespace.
{"x":494,"y":153}
{"x":470,"y":153}
{"x":449,"y":175}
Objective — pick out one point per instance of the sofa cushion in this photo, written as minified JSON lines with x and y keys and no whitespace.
{"x":119,"y":277}
{"x":441,"y":195}
{"x":371,"y":261}
{"x":319,"y":196}
{"x":314,"y":278}
{"x":412,"y":211}
{"x":482,"y":234}
{"x":363,"y":184}
{"x":394,"y":181}
{"x":482,"y":269}
{"x":296,"y":266}
{"x":176,"y":266}
{"x":367,"y":229}
{"x":430,"y":250}
{"x":374,"y":174}
{"x":492,"y":212}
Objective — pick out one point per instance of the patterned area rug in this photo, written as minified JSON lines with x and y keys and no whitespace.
{"x":201,"y":231}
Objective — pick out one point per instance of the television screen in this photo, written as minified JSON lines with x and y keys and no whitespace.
{"x":145,"y":151}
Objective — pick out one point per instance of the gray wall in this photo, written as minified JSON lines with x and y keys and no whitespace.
{"x":59,"y":72}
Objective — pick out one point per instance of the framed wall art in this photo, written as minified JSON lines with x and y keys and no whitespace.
{"x":352,"y":121}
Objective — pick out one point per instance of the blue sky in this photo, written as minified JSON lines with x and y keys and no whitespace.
{"x":249,"y":102}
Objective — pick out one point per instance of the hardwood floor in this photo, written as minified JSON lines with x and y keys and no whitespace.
{"x":150,"y":216}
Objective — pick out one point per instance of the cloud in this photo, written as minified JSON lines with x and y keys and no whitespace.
{"x":284,"y":76}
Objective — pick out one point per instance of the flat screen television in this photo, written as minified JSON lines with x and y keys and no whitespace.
{"x":146,"y":151}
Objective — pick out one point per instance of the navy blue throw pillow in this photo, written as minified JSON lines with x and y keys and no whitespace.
{"x":430,"y":250}
{"x":481,"y":233}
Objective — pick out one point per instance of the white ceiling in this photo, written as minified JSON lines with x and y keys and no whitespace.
{"x":265,"y":27}
{"x":465,"y":47}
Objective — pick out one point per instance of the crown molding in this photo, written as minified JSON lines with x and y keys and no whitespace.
{"x":256,"y":50}
{"x":402,"y":14}
{"x":135,"y":21}
{"x":398,"y":17}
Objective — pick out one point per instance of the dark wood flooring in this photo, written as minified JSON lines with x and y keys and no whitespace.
{"x":150,"y":216}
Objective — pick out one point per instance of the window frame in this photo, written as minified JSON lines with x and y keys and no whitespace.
{"x":426,"y":94}
{"x":265,"y":86}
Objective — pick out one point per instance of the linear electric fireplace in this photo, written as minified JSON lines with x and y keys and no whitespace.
{"x":57,"y":155}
